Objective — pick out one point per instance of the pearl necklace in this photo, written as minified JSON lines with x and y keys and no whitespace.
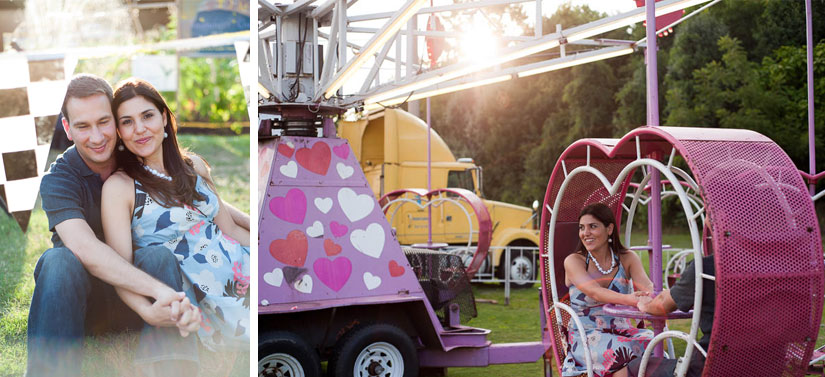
{"x":612,"y":262}
{"x":168,"y":178}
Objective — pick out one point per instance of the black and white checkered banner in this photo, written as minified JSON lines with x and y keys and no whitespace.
{"x":32,"y":88}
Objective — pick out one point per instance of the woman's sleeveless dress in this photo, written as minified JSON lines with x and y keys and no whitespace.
{"x":613,"y":341}
{"x":215,"y":268}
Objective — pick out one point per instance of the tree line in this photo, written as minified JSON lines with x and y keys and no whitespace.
{"x":738,"y":64}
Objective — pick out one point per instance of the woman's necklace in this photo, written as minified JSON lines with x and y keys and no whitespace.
{"x":612,"y":262}
{"x":168,"y":178}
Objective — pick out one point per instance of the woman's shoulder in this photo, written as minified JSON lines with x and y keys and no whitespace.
{"x":119,"y":180}
{"x":199,"y":164}
{"x":574,"y":259}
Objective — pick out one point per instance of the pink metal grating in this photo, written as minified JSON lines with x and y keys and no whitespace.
{"x":768,"y":258}
{"x":769,"y":266}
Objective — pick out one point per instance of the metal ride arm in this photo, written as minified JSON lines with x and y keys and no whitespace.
{"x":556,"y":305}
{"x":485,"y":231}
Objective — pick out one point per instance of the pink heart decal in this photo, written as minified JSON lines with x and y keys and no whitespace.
{"x":292,"y":250}
{"x":316,"y":159}
{"x":395,"y":269}
{"x":331,"y":248}
{"x":333,"y":273}
{"x":341,"y":151}
{"x":291,"y":208}
{"x":337,"y":229}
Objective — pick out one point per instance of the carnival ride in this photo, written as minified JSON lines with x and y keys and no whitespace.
{"x":372,"y":307}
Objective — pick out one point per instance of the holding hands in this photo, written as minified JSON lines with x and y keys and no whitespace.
{"x":172,"y":309}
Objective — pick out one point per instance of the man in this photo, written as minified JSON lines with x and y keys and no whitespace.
{"x":76,"y":279}
{"x":680,"y":296}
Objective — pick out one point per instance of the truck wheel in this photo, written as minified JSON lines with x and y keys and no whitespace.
{"x":521,"y":268}
{"x":285,"y":354}
{"x":375,"y":350}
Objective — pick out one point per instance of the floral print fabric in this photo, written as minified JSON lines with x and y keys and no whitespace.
{"x":215,"y":268}
{"x":613,"y":341}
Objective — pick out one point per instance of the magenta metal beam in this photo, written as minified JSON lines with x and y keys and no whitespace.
{"x":654,"y":210}
{"x":811,"y":131}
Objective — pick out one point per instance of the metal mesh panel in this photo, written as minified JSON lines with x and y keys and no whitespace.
{"x":444,"y":281}
{"x":769,"y":268}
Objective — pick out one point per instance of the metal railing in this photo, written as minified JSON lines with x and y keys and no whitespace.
{"x":523,"y":259}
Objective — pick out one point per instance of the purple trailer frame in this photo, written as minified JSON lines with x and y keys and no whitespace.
{"x":327,"y":250}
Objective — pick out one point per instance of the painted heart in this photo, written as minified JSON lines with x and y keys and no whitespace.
{"x":395,"y":269}
{"x":355,"y":207}
{"x":316,"y":230}
{"x":290,"y":169}
{"x":323,"y":204}
{"x":285,"y":150}
{"x":333,"y":273}
{"x":369,"y":241}
{"x":304,"y":285}
{"x":344,"y":171}
{"x":292,"y":250}
{"x":341,"y":151}
{"x":315,"y":159}
{"x":371,"y":281}
{"x":290,"y":208}
{"x":331,"y":248}
{"x":274,"y":278}
{"x":337,"y":229}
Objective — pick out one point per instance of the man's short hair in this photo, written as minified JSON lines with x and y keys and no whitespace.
{"x":85,"y":85}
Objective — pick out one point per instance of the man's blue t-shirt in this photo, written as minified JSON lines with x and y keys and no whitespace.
{"x":70,"y":190}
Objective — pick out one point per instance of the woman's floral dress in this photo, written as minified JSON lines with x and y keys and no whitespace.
{"x":613,"y":341}
{"x":215,"y":268}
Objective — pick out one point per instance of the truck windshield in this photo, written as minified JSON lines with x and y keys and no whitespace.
{"x":460,"y":179}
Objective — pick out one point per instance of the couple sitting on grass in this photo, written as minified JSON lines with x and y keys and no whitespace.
{"x":599,"y":273}
{"x":141,"y":240}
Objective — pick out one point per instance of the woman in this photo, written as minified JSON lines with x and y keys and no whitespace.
{"x":162,"y":195}
{"x":599,"y":273}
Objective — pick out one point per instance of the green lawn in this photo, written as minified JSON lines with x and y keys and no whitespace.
{"x":109,"y":355}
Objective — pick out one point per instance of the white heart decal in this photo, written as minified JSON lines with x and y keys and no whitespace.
{"x":265,"y":302}
{"x":369,"y":241}
{"x":275,"y":278}
{"x":355,"y":206}
{"x":304,"y":285}
{"x":290,"y":169}
{"x":290,"y":144}
{"x":371,"y":281}
{"x":344,"y":171}
{"x":316,"y":230}
{"x":323,"y":204}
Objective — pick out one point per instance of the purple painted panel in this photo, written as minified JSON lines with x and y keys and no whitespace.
{"x":322,"y":235}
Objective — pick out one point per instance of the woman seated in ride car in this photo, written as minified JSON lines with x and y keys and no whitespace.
{"x":599,"y":273}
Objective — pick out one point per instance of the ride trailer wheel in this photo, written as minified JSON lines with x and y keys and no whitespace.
{"x":284,"y":354}
{"x":379,"y":350}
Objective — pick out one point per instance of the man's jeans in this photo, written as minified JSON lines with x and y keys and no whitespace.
{"x":69,"y":303}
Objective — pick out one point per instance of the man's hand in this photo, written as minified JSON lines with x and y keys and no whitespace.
{"x":644,"y":303}
{"x":190,"y":319}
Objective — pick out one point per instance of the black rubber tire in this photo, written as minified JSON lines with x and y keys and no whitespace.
{"x":350,"y":346}
{"x":518,"y":254}
{"x":285,"y":342}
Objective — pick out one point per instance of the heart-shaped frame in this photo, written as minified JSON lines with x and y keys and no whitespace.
{"x":485,"y":231}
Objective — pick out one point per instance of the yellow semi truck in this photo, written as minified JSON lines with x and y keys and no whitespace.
{"x":392,"y":149}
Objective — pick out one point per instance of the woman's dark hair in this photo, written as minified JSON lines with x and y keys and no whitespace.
{"x":605,"y":215}
{"x":181,"y":190}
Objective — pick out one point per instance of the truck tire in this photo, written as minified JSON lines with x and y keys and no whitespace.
{"x":283,"y":353}
{"x":374,"y":350}
{"x":522,"y":267}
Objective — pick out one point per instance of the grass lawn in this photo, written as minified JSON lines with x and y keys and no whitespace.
{"x":109,"y":355}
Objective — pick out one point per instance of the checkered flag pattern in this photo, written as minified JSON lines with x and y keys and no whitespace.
{"x":31,"y":93}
